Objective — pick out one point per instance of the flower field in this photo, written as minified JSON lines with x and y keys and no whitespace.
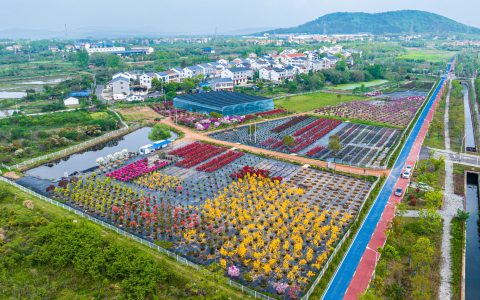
{"x":362,"y":145}
{"x":270,"y":225}
{"x":397,"y":112}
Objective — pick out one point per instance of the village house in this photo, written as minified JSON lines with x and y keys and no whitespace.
{"x":238,"y":75}
{"x":120,"y":88}
{"x":221,"y":84}
{"x":146,"y":79}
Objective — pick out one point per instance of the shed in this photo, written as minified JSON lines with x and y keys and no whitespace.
{"x":71,"y":101}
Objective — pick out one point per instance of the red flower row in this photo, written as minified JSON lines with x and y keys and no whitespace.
{"x":315,"y":150}
{"x":292,"y":122}
{"x":200,"y":153}
{"x":220,"y":161}
{"x":271,"y":112}
{"x":308,"y":127}
{"x":311,"y":138}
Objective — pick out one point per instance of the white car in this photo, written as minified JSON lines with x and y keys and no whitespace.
{"x":406,"y":175}
{"x":398,"y":192}
{"x":408,"y":168}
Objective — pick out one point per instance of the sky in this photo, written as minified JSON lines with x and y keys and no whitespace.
{"x":198,"y":16}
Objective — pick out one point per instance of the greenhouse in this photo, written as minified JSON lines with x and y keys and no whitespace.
{"x":225,"y":103}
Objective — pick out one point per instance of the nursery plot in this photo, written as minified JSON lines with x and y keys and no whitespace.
{"x":396,"y":111}
{"x":361,"y":145}
{"x":270,"y":224}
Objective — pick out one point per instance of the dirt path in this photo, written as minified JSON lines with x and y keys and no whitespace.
{"x":195,"y":136}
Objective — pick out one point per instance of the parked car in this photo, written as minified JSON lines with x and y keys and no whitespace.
{"x":398,"y":192}
{"x":408,"y":168}
{"x":406,"y":175}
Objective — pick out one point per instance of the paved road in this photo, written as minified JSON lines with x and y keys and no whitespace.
{"x":341,"y":280}
{"x":458,"y":158}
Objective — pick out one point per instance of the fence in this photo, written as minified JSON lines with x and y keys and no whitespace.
{"x":75,"y":148}
{"x":339,"y":245}
{"x":176,"y":257}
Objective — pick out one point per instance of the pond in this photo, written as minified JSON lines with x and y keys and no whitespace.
{"x":85,"y":160}
{"x":469,"y":132}
{"x":6,"y":112}
{"x":472,"y":253}
{"x":42,"y":82}
{"x":12,"y":95}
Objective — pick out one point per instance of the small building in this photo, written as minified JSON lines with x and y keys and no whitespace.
{"x":71,"y":101}
{"x":120,"y":87}
{"x":146,"y":79}
{"x":85,"y":93}
{"x":143,"y":49}
{"x":225,"y":103}
{"x":208,"y":50}
{"x":221,"y":84}
{"x":133,"y":97}
{"x":238,"y":75}
{"x":149,"y":148}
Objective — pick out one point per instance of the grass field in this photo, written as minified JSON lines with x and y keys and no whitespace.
{"x":138,"y":114}
{"x":351,"y":86}
{"x":309,"y":102}
{"x":432,"y":56}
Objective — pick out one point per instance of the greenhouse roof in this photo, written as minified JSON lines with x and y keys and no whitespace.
{"x":221,"y":98}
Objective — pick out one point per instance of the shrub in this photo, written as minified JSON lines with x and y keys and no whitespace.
{"x":159,"y":132}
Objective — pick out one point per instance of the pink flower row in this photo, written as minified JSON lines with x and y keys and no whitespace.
{"x":136,"y":169}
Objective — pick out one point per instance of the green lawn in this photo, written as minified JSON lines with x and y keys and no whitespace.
{"x":457,"y":239}
{"x":436,"y":131}
{"x":456,"y":115}
{"x":310,"y":102}
{"x":432,"y":56}
{"x":49,"y":253}
{"x":351,"y":86}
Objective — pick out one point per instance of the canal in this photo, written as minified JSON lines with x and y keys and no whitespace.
{"x":472,"y":255}
{"x":469,"y":131}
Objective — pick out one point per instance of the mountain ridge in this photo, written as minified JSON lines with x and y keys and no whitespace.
{"x":392,"y":22}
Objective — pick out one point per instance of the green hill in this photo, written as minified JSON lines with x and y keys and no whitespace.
{"x":403,"y":21}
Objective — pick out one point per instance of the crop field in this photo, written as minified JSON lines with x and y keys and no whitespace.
{"x":361,"y":145}
{"x":351,"y":86}
{"x":310,"y":102}
{"x":137,"y":114}
{"x":270,"y":225}
{"x":397,"y":111}
{"x":432,"y":56}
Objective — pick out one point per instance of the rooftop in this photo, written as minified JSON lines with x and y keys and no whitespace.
{"x":220,"y":99}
